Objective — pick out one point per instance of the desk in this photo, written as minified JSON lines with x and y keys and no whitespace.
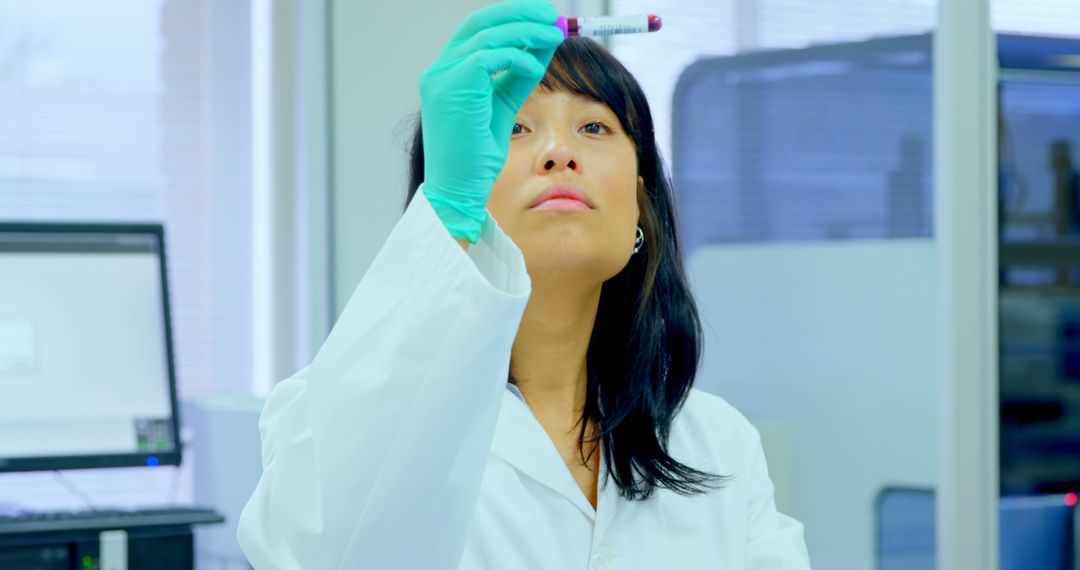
{"x":109,"y":546}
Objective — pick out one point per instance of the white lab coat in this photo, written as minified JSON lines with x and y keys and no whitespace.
{"x":401,"y":447}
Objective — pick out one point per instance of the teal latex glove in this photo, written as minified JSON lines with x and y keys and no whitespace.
{"x":468,"y":108}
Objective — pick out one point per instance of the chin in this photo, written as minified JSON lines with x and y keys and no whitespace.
{"x":555,"y":247}
{"x":571,"y":260}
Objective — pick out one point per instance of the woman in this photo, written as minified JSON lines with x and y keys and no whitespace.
{"x":404,"y":445}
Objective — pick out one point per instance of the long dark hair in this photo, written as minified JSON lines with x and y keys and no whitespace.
{"x":646,"y":341}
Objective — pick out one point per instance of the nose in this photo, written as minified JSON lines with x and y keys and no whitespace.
{"x":558,"y":156}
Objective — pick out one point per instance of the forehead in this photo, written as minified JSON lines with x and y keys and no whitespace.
{"x":542,"y":98}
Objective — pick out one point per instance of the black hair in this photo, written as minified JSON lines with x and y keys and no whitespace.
{"x":646,"y":340}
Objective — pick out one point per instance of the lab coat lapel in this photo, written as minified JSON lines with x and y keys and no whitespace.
{"x":521,"y":441}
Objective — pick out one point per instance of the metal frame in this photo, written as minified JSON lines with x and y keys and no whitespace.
{"x":965,"y":213}
{"x":293,"y":219}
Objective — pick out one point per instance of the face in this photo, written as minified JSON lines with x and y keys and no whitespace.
{"x":566,"y":139}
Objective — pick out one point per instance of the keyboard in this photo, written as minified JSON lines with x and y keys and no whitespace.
{"x":104,"y":519}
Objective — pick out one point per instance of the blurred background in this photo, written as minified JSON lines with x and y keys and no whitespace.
{"x":253,"y":153}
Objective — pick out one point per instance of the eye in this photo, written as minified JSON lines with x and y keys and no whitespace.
{"x":588,"y":128}
{"x":518,"y":129}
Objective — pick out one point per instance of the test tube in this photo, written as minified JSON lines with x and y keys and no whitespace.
{"x":608,"y":25}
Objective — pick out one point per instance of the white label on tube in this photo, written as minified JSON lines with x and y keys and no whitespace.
{"x":612,"y":25}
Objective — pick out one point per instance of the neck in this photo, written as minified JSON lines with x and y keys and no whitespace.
{"x":548,"y":361}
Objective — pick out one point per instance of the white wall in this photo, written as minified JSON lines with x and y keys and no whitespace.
{"x":829,"y":349}
{"x":379,"y":51}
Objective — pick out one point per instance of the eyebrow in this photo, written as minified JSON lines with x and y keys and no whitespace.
{"x":589,"y":101}
{"x":580,"y":97}
{"x":597,"y":105}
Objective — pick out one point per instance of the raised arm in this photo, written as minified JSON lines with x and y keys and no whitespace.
{"x":384,"y":437}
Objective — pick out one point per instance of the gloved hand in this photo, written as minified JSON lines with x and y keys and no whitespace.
{"x":468,"y":109}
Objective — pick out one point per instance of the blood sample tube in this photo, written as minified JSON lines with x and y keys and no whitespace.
{"x":608,"y":25}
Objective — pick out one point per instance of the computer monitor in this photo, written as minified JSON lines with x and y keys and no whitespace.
{"x":905,"y":529}
{"x":1034,"y":531}
{"x":86,"y":362}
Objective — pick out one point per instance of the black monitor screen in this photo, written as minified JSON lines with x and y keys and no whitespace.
{"x":1039,"y":218}
{"x":86,"y":367}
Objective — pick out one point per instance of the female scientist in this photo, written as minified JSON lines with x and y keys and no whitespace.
{"x":519,"y":398}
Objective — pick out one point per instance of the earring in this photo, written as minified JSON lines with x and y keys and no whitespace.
{"x":639,"y":240}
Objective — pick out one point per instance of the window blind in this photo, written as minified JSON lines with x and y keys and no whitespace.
{"x":128,"y":110}
{"x":753,"y":187}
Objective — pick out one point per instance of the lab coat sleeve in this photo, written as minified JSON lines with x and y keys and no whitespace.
{"x":774,"y":541}
{"x":373,"y":456}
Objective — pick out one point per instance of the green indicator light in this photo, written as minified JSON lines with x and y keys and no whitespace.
{"x":87,"y":561}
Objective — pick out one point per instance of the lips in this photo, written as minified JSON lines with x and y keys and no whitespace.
{"x":562,"y":191}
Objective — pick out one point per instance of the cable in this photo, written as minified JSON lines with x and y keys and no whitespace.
{"x":73,"y":489}
{"x":174,"y":485}
{"x":187,"y":441}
